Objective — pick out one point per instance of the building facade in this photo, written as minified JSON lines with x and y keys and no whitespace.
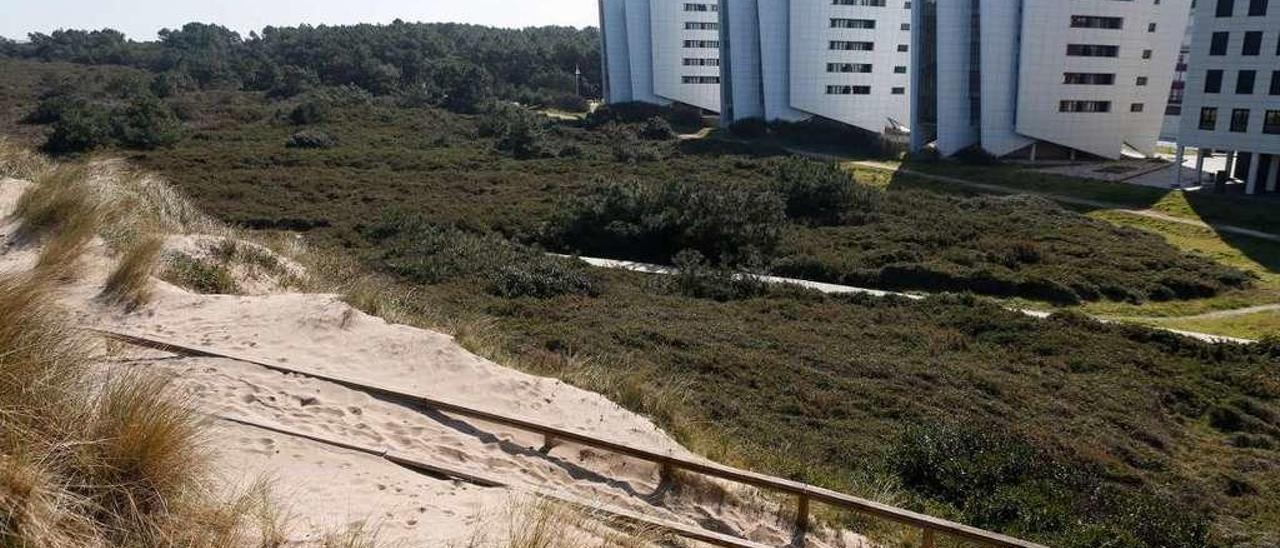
{"x":843,"y":60}
{"x":1044,"y":79}
{"x":1232,"y":99}
{"x":661,"y":52}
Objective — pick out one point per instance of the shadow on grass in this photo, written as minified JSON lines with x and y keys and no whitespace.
{"x":1259,"y":212}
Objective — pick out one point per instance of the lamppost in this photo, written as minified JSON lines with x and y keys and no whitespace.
{"x":577,"y":75}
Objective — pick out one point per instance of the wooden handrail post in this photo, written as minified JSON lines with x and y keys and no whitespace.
{"x":929,"y":541}
{"x":802,"y":514}
{"x":548,"y":443}
{"x":667,"y":474}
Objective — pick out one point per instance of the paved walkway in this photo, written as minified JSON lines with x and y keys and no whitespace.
{"x":1098,"y":204}
{"x":836,"y":289}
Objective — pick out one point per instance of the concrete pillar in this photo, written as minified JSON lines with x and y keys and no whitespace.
{"x":1177,"y":166}
{"x":1033,"y":151}
{"x":1251,"y":182}
{"x":1273,"y":179}
{"x":1199,"y":166}
{"x":1231,"y":164}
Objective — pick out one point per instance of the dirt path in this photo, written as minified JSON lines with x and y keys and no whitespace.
{"x":832,"y":289}
{"x":1216,"y":315}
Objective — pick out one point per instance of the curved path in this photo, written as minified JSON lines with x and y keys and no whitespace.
{"x":846,"y":289}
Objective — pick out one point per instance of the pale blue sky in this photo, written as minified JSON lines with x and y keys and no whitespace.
{"x":140,"y":19}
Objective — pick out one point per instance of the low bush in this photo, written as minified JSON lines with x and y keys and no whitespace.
{"x":997,"y":479}
{"x":694,"y":277}
{"x":309,"y":113}
{"x":750,"y":128}
{"x":141,"y":122}
{"x":18,"y":162}
{"x":821,"y":193}
{"x":570,"y":103}
{"x":202,"y":276}
{"x":656,"y":129}
{"x":681,"y":116}
{"x":311,"y":139}
{"x":730,"y":223}
{"x":426,"y":253}
{"x":518,"y":131}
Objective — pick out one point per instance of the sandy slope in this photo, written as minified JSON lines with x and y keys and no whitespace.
{"x":327,"y":489}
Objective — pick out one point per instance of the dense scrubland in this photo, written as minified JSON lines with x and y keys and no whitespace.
{"x":1065,"y":431}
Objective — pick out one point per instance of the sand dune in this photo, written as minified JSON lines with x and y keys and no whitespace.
{"x":326,"y":488}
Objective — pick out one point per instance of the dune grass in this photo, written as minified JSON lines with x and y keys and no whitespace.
{"x":536,"y":522}
{"x":99,"y":459}
{"x":19,"y":162}
{"x":129,"y":284}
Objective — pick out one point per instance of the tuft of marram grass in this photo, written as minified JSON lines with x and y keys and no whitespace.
{"x":130,"y":283}
{"x":93,"y":461}
{"x":18,"y":162}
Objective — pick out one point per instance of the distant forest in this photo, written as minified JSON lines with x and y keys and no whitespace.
{"x":460,"y":66}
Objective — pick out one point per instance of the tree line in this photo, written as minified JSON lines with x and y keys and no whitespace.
{"x":459,"y":66}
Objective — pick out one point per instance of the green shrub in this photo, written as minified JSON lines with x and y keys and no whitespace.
{"x":426,"y":253}
{"x":821,"y":193}
{"x":656,"y":129}
{"x":146,"y":123}
{"x":201,"y":276}
{"x":516,"y":130}
{"x":694,"y":277}
{"x":311,"y":139}
{"x":570,"y":103}
{"x":309,"y":113}
{"x":80,"y":128}
{"x":730,"y":223}
{"x":543,"y":278}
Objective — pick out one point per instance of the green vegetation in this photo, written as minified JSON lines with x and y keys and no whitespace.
{"x":938,"y":405}
{"x":199,"y":275}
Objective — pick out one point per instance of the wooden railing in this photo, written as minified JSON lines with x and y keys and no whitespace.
{"x":805,"y":494}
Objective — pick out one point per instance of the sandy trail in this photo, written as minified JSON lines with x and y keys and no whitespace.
{"x":327,"y":489}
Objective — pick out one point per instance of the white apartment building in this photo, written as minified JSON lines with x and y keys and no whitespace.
{"x":1043,"y":79}
{"x":661,"y":51}
{"x":843,"y":60}
{"x":1232,"y":99}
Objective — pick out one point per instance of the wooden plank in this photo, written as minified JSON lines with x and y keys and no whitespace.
{"x":667,"y":461}
{"x":411,"y":463}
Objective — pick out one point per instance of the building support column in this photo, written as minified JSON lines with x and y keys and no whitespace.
{"x":1033,"y":152}
{"x":1199,"y":166}
{"x":1231,"y":165}
{"x":1273,"y":180}
{"x":1177,"y":163}
{"x":1251,"y":182}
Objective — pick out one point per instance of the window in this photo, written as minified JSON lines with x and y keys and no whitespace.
{"x":1089,"y":78}
{"x":691,"y":25}
{"x":1208,"y":118}
{"x":853,"y":23}
{"x":1095,"y":22}
{"x":845,"y":45}
{"x":1252,"y":43}
{"x":1240,"y":120}
{"x":1146,"y":54}
{"x":848,"y":90}
{"x":1257,"y":8}
{"x":690,"y":62}
{"x":1092,"y":50}
{"x":701,"y":7}
{"x":1084,"y":106}
{"x":700,"y":79}
{"x":1244,"y":82}
{"x":899,"y":91}
{"x":1213,"y":81}
{"x":1271,"y":122}
{"x":1141,"y":81}
{"x":1151,"y":27}
{"x":873,"y":3}
{"x":1226,"y":8}
{"x":1137,"y":107}
{"x":702,"y":44}
{"x":899,"y":69}
{"x":1275,"y":82}
{"x":848,"y":67}
{"x":903,"y":48}
{"x":1218,"y":45}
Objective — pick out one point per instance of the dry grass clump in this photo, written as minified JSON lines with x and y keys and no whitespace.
{"x":130,"y":283}
{"x":62,"y":209}
{"x":18,"y":162}
{"x":91,"y":459}
{"x":537,"y":522}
